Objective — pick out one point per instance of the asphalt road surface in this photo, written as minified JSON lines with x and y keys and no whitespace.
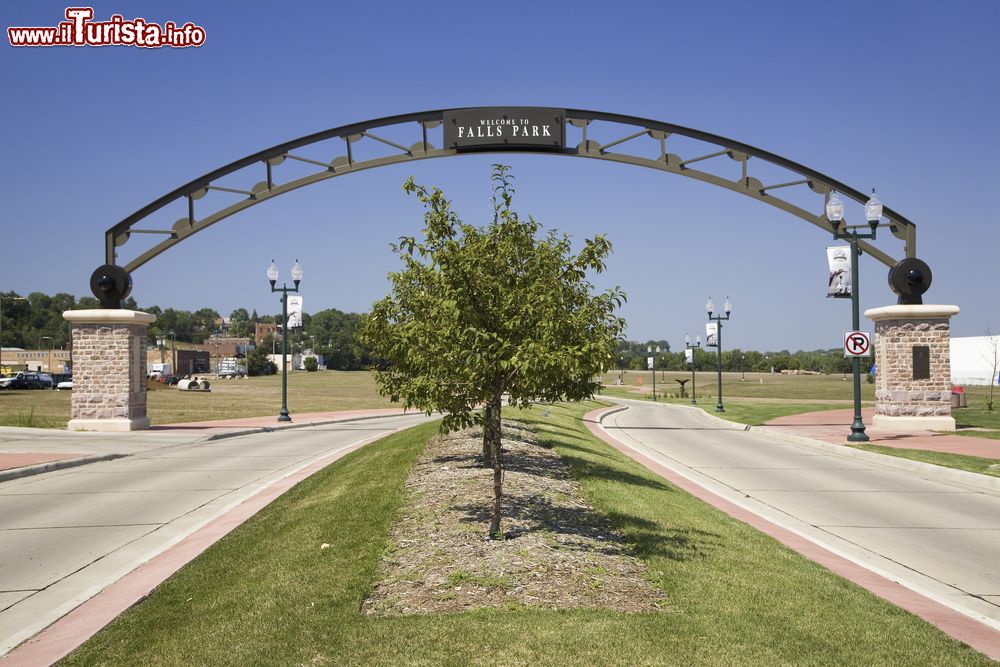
{"x":66,"y":535}
{"x":936,"y":536}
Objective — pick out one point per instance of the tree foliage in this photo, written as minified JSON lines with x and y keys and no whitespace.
{"x":479,"y":315}
{"x":258,"y":363}
{"x":992,"y":357}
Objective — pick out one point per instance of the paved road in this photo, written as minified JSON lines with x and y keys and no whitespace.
{"x":66,"y":535}
{"x":936,"y":536}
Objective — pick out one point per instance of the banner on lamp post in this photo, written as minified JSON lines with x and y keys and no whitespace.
{"x":840,"y":280}
{"x":688,"y":356}
{"x":294,"y":312}
{"x":711,"y":334}
{"x":649,"y":363}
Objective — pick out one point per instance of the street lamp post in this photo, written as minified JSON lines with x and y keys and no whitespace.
{"x":173,"y":352}
{"x":621,"y":374}
{"x":743,"y":367}
{"x":649,"y":349}
{"x":272,"y":277}
{"x":710,"y":307}
{"x":835,"y":215}
{"x":689,"y":346}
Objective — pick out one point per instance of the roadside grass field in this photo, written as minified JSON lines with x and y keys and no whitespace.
{"x":976,"y":415}
{"x":976,"y":464}
{"x":268,"y":594}
{"x":755,"y":400}
{"x":753,"y":412}
{"x":746,"y":385}
{"x":250,"y":397}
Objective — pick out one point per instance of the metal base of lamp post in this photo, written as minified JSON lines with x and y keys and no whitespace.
{"x":719,"y":408}
{"x":284,"y":417}
{"x":858,"y":432}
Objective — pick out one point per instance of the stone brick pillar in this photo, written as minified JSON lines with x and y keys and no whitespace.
{"x":913,"y":375}
{"x":109,"y":369}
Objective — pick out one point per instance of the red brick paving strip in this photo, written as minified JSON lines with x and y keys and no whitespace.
{"x":835,"y":425}
{"x":961,"y":627}
{"x":10,"y":460}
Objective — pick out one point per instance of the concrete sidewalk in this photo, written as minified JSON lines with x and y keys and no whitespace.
{"x":32,"y":451}
{"x":834,"y":426}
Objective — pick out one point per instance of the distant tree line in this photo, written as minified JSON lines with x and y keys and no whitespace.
{"x":633,"y":355}
{"x":29,"y":322}
{"x":36,"y":322}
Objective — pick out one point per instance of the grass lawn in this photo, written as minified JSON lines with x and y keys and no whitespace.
{"x":307,"y":392}
{"x":986,"y":423}
{"x":747,"y":385}
{"x":744,"y":411}
{"x":267,"y":594}
{"x":756,"y":414}
{"x":959,"y":461}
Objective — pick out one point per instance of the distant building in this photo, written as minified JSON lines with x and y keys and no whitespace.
{"x":263,"y":330}
{"x":44,"y":361}
{"x":973,"y":359}
{"x":192,"y":362}
{"x":320,"y":360}
{"x":221,"y":346}
{"x":292,"y":361}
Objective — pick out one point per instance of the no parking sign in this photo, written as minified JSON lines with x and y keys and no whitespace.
{"x":857,"y":344}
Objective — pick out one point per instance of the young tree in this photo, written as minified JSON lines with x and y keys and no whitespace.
{"x":992,"y":357}
{"x":480,"y":314}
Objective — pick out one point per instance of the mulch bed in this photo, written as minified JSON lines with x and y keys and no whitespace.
{"x":559,"y":553}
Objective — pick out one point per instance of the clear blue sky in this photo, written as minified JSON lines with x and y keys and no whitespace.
{"x":900,"y":96}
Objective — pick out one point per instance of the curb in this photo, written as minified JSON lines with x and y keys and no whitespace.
{"x":271,"y":429}
{"x":28,"y":471}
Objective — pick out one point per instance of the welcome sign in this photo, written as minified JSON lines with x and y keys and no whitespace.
{"x":515,"y":128}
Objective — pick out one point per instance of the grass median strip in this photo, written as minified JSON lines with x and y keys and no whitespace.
{"x":975,"y":464}
{"x":270,"y":594}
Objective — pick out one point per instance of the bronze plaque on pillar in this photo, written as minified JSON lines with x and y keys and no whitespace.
{"x":921,"y":362}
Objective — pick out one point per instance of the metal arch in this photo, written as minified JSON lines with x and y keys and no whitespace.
{"x":423,"y":148}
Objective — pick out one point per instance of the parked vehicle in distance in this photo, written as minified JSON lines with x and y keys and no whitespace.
{"x":24,"y":380}
{"x":65,"y":384}
{"x":160,"y":370}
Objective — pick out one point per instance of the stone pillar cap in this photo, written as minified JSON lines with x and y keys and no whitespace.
{"x":911,"y":312}
{"x":108,"y":316}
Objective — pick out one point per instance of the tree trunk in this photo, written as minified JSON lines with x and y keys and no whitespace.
{"x":494,"y":429}
{"x":487,"y":438}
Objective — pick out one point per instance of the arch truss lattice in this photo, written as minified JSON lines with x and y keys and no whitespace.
{"x":710,"y":158}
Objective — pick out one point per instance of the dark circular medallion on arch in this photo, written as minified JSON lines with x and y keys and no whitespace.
{"x":910,"y":278}
{"x":110,"y":284}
